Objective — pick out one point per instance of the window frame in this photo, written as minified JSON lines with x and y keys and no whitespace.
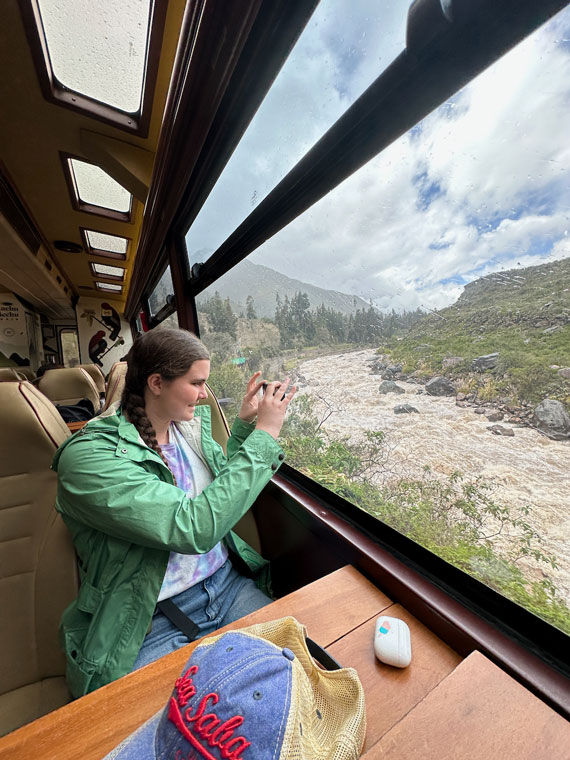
{"x":113,"y":278}
{"x":54,"y":92}
{"x":90,"y":208}
{"x":102,"y":253}
{"x":103,"y":287}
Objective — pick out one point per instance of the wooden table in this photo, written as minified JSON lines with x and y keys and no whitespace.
{"x":75,"y":426}
{"x":339,"y":612}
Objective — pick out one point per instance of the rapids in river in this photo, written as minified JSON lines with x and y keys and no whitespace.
{"x":528,"y":469}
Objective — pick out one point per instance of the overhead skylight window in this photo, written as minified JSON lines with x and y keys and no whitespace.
{"x":111,"y":287}
{"x":103,"y":270}
{"x":95,"y":189}
{"x":101,"y":242}
{"x":99,"y":49}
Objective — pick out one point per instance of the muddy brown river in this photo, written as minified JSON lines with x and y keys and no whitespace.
{"x":526,"y":470}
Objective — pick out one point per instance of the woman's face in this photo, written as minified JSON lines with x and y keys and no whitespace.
{"x":177,"y":398}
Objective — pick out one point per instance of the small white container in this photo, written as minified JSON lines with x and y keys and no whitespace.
{"x":392,"y":644}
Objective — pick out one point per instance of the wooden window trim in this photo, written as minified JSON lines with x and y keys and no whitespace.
{"x":212,"y":100}
{"x":460,"y":627}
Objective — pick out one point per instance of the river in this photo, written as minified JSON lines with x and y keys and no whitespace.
{"x":527,"y":469}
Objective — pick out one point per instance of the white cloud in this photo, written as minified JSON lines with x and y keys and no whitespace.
{"x":495,"y":157}
{"x":341,"y":51}
{"x":502,"y":155}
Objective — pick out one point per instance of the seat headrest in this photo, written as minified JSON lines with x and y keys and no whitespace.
{"x":29,"y":418}
{"x":96,"y":375}
{"x":68,"y":386}
{"x":9,"y":374}
{"x":115,"y":384}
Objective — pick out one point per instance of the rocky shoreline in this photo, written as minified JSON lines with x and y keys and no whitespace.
{"x":548,"y":418}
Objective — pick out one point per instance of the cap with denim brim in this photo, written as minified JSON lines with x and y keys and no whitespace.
{"x":255,"y":693}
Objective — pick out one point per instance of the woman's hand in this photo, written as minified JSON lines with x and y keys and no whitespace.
{"x":250,"y":403}
{"x":273,"y":405}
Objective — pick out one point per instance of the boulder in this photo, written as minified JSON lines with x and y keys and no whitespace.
{"x":440,"y":386}
{"x":387,"y":374}
{"x":564,"y":372}
{"x":389,"y":386}
{"x":377,"y":366}
{"x":495,"y":416}
{"x":451,"y":361}
{"x":480,"y":410}
{"x":549,"y":330}
{"x":482,"y":363}
{"x":405,"y":409}
{"x":394,"y":368}
{"x":551,"y":418}
{"x":500,"y":430}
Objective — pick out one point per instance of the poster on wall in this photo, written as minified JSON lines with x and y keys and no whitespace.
{"x":14,"y":346}
{"x":104,"y":337}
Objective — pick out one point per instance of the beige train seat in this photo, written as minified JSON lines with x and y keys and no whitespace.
{"x":96,"y":375}
{"x":9,"y":374}
{"x":38,"y":572}
{"x":246,"y":527}
{"x":68,"y":386}
{"x":115,"y":384}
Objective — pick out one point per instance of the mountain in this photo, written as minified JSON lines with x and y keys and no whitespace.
{"x":264,"y":284}
{"x":522,"y":315}
{"x":537,"y":296}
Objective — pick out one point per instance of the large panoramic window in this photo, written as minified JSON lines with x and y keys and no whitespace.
{"x":99,"y":49}
{"x":344,"y":47}
{"x":422,"y":309}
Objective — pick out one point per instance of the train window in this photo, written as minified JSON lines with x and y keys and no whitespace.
{"x":420,"y":307}
{"x":162,"y":292}
{"x":102,"y":244}
{"x":98,"y":49}
{"x":343,"y":48}
{"x":110,"y":287}
{"x":69,"y":347}
{"x":113,"y":273}
{"x":95,"y":191}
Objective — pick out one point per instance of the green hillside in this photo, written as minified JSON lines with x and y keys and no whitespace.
{"x":521,"y":314}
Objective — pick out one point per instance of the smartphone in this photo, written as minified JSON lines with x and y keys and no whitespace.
{"x":264,"y":388}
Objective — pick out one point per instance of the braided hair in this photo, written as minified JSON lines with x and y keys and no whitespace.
{"x":171,"y":353}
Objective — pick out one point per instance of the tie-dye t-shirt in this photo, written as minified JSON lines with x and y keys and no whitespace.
{"x":185,"y":570}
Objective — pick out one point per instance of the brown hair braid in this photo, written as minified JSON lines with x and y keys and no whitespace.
{"x":171,"y":353}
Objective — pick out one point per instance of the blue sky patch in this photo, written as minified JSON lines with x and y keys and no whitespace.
{"x":426,"y":188}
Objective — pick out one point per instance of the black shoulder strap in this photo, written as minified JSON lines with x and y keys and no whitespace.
{"x":179,"y":619}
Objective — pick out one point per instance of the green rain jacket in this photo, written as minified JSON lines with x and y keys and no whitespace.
{"x":125,"y":515}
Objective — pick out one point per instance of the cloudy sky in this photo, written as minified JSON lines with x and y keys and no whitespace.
{"x":480,"y":185}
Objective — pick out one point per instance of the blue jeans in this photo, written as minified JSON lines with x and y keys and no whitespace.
{"x":220,"y":599}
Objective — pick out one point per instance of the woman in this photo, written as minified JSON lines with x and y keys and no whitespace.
{"x":150,"y":499}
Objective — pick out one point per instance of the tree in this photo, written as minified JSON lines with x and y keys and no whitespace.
{"x":250,"y":308}
{"x":220,"y":315}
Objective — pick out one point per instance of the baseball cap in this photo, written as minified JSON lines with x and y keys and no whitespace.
{"x":255,"y":693}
